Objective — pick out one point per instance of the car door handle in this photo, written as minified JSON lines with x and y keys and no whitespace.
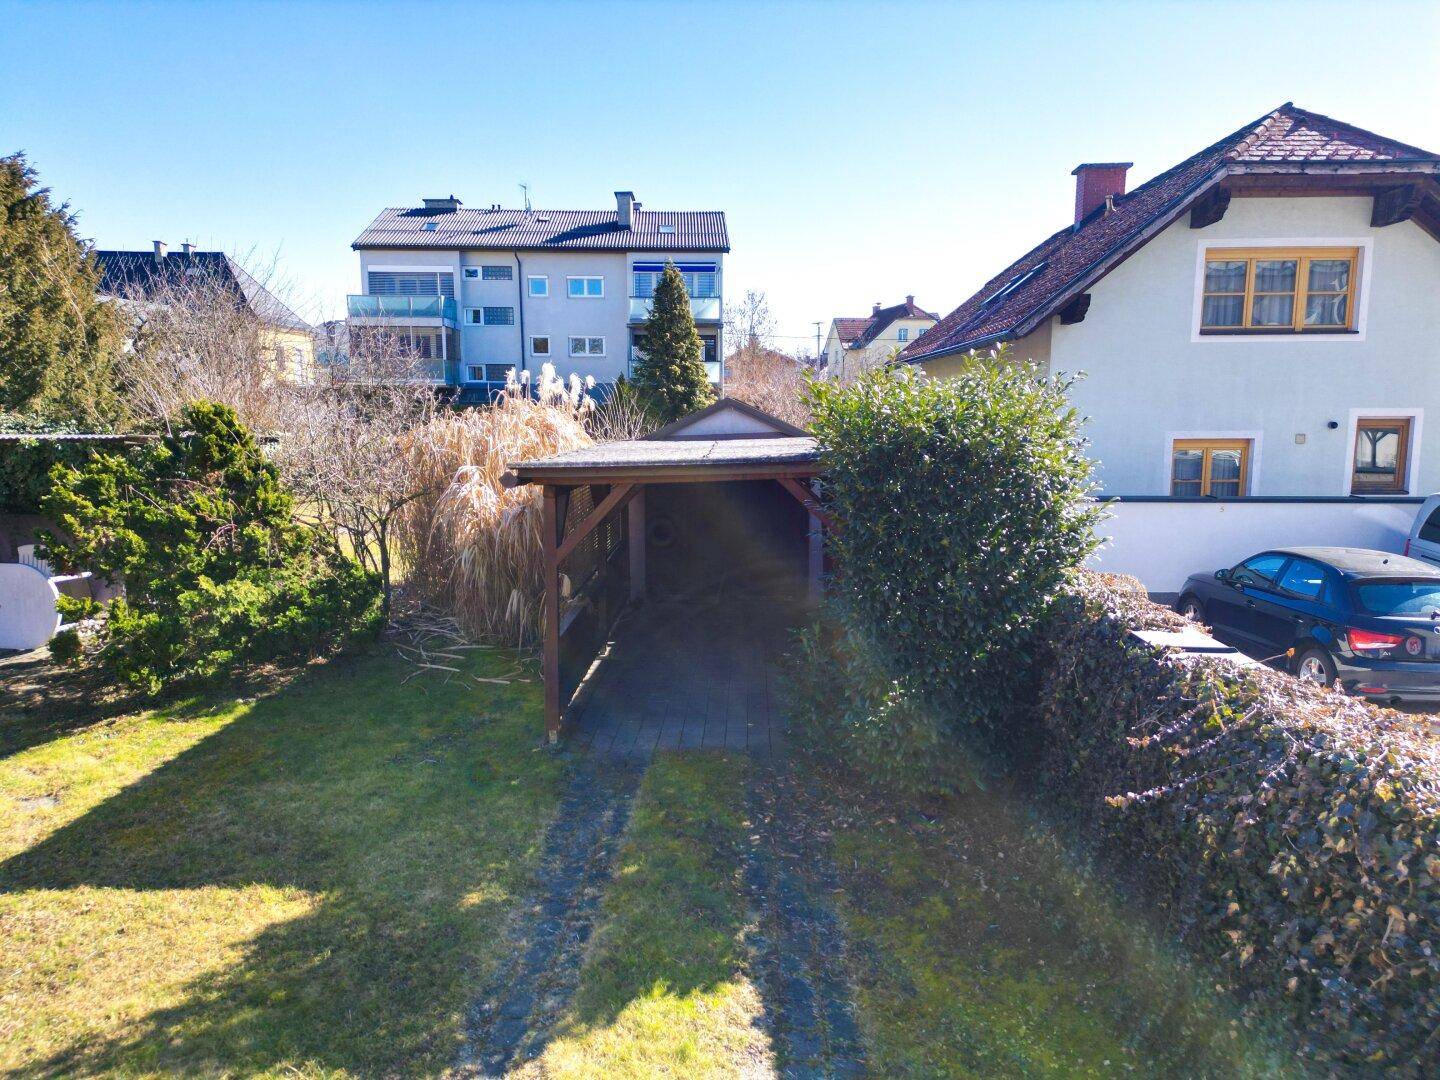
{"x":1249,"y":603}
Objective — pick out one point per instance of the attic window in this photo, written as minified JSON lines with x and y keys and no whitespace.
{"x":1013,"y":284}
{"x":429,"y":226}
{"x":667,"y":229}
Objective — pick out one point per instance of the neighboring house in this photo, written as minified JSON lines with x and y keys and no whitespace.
{"x":479,"y":292}
{"x":1261,"y":319}
{"x":134,"y":278}
{"x":856,"y":345}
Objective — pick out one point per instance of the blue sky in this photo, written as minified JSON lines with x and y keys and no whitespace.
{"x":862,"y":151}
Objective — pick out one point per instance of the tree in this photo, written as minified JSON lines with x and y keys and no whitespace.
{"x":218,"y":573}
{"x":749,"y":322}
{"x":670,"y":378}
{"x":58,"y":341}
{"x":769,"y":380}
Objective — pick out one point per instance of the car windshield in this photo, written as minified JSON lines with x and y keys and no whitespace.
{"x":1399,"y":597}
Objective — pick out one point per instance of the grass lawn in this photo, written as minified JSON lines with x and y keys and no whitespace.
{"x":981,"y":949}
{"x":664,"y":992}
{"x":309,"y":883}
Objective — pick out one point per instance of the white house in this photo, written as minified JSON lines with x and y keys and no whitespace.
{"x":1258,"y":324}
{"x":856,"y":344}
{"x":478,"y":292}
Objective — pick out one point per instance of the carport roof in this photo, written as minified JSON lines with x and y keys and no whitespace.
{"x":659,"y":461}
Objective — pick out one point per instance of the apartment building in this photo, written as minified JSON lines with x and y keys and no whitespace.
{"x":476,"y":292}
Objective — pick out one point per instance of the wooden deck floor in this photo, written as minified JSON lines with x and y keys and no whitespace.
{"x":682,"y":677}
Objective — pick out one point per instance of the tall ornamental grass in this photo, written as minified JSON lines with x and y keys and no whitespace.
{"x":474,"y":545}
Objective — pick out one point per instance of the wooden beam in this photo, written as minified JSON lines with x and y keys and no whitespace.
{"x":1075,"y":310}
{"x":552,"y":522}
{"x":1210,"y":207}
{"x":806,"y":498}
{"x":661,"y":474}
{"x":635,"y":528}
{"x":1395,"y":205}
{"x":618,"y":496}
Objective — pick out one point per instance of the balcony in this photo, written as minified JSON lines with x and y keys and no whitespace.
{"x":706,"y":309}
{"x":413,"y":310}
{"x":712,"y":367}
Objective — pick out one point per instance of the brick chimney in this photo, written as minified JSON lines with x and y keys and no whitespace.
{"x":159,"y":249}
{"x":1094,"y":182}
{"x":876,"y":309}
{"x":625,"y":206}
{"x":910,"y":299}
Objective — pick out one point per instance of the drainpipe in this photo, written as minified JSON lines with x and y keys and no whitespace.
{"x":520,"y":286}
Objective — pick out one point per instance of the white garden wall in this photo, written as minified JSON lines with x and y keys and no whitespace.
{"x":1163,"y":541}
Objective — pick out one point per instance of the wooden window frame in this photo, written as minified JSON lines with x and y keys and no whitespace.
{"x":1245,"y":446}
{"x":1303,"y":257}
{"x":1401,"y":486}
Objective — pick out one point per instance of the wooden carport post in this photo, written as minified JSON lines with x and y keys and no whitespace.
{"x":552,"y":522}
{"x":635,"y":538}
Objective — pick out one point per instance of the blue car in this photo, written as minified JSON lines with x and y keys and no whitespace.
{"x":1369,"y":619}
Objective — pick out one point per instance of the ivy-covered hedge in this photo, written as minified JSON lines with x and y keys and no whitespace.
{"x":1293,"y":833}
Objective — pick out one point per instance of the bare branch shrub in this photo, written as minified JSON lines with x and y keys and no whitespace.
{"x":769,"y":380}
{"x":346,"y":445}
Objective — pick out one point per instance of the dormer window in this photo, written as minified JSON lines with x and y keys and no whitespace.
{"x":1274,"y":290}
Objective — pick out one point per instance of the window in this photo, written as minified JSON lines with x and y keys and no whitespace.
{"x":902,"y":334}
{"x":539,"y":286}
{"x":1304,"y":579}
{"x":497,"y":273}
{"x":1279,"y":291}
{"x":1209,"y":466}
{"x":668,"y":230}
{"x":472,"y":273}
{"x":499,"y":316}
{"x":540,"y":346}
{"x":1399,"y":597}
{"x":1430,"y":531}
{"x":587,"y":346}
{"x":1382,"y":449}
{"x":585,"y":287}
{"x":498,"y":372}
{"x":1261,"y":570}
{"x":411,"y":283}
{"x":702,"y":280}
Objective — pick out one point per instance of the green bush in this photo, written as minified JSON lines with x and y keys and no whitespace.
{"x":217,"y":572}
{"x":960,"y":506}
{"x":1289,"y":832}
{"x":65,"y":646}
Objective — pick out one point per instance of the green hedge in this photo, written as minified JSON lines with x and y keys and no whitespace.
{"x":1292,"y":833}
{"x":959,"y":505}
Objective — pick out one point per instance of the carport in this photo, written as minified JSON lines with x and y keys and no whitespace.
{"x":719,"y":503}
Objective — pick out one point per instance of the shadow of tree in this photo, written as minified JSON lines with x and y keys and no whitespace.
{"x":408,"y":815}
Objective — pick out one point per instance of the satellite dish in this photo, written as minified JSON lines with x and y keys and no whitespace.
{"x":28,"y":613}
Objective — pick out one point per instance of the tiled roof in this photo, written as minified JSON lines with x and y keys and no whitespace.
{"x":542,"y":230}
{"x":133,"y":274}
{"x":1017,"y":299}
{"x":857,"y":333}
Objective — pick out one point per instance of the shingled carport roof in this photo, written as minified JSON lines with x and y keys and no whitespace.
{"x":694,"y":460}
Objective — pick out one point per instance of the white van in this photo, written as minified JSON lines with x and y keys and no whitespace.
{"x":1424,"y":539}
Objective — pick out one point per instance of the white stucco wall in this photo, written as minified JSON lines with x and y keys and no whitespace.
{"x":1164,"y":542}
{"x":1151,"y":379}
{"x":558,"y":316}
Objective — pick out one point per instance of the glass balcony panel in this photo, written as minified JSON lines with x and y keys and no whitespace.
{"x":703,"y":308}
{"x":401,"y":307}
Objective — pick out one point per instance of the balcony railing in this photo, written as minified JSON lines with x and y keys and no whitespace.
{"x":704,"y":308}
{"x":402,"y":308}
{"x":712,"y":367}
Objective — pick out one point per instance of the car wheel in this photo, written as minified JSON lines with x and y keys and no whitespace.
{"x":1191,"y":608}
{"x":1315,"y":666}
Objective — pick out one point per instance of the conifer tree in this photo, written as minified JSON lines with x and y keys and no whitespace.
{"x":670,"y":379}
{"x":58,"y":342}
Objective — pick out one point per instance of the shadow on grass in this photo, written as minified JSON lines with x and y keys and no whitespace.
{"x":409,"y":816}
{"x":663,"y":990}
